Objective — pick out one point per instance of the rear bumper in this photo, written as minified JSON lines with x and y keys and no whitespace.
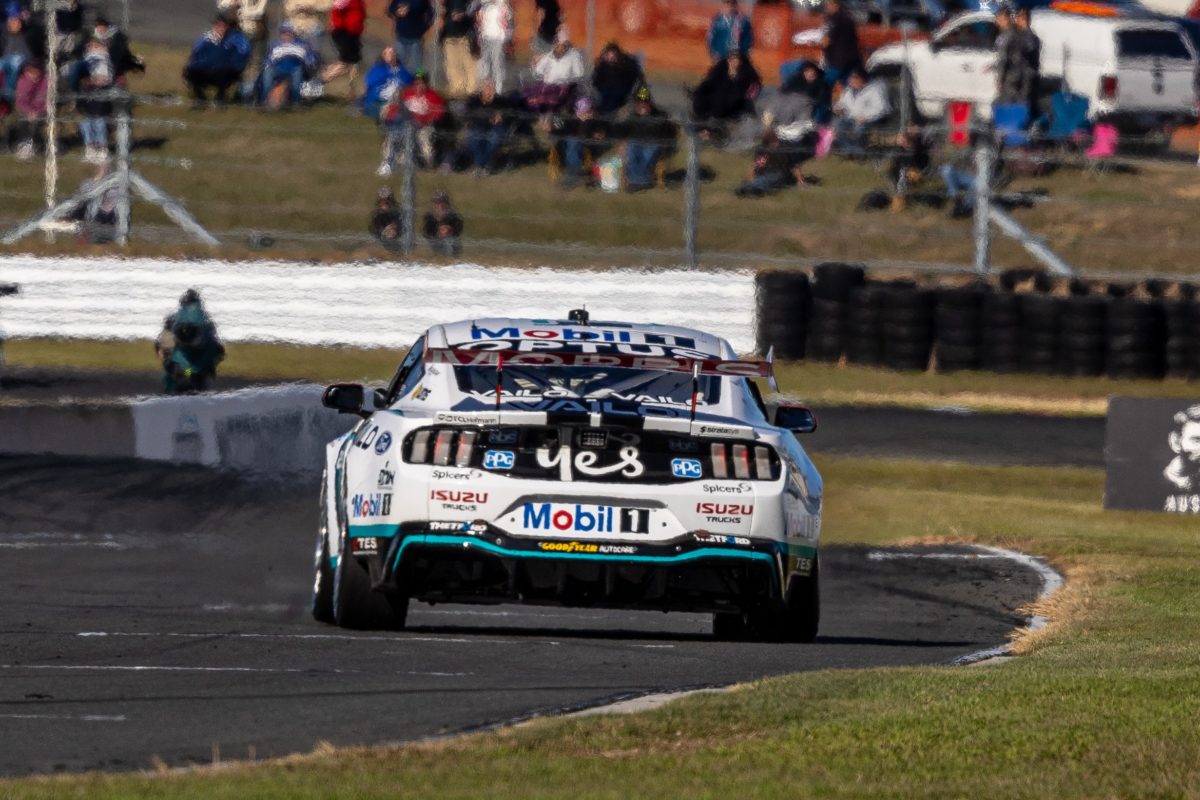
{"x":696,"y":572}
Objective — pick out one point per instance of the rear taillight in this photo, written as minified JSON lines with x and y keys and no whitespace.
{"x":466,"y":447}
{"x":1108,"y":87}
{"x":441,"y":447}
{"x":742,"y":461}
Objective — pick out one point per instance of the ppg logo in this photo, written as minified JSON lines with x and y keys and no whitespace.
{"x":499,"y":459}
{"x":687,"y":468}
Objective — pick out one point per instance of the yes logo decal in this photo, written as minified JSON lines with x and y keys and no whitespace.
{"x":630,"y":465}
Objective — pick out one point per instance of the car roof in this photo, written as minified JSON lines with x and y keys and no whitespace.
{"x":550,"y":334}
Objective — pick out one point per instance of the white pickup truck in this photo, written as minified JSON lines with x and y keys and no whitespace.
{"x":1137,"y":71}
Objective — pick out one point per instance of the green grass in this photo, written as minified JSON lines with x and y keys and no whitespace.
{"x":819,"y":384}
{"x":309,"y":177}
{"x":1103,"y":704}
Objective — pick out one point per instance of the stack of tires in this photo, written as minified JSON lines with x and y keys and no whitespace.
{"x":1183,"y":336}
{"x":958,"y":330}
{"x":1000,"y":333}
{"x":782,"y":300}
{"x":832,"y":286}
{"x":864,"y":337}
{"x":1039,"y":314}
{"x":1136,"y":339}
{"x":1082,"y":336}
{"x":906,"y":326}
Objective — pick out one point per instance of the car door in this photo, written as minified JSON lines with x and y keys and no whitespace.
{"x":962,"y":64}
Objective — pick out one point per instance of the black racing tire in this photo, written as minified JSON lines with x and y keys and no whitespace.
{"x":356,"y":605}
{"x":729,"y":626}
{"x":322,"y":594}
{"x":800,"y":618}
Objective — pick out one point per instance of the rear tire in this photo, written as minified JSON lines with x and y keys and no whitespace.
{"x":729,"y":626}
{"x":356,"y":605}
{"x":799,"y":620}
{"x":322,"y":594}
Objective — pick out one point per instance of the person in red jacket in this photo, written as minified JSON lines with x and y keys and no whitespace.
{"x":346,"y":20}
{"x":426,"y":109}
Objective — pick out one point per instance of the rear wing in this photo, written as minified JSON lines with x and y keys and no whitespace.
{"x":548,"y":358}
{"x":695,"y":367}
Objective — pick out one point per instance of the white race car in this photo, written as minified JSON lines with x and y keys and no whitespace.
{"x":577,"y":463}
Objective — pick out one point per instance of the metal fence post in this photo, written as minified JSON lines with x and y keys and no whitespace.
{"x":408,"y":198}
{"x":983,"y":201}
{"x":590,"y":52}
{"x":51,"y":187}
{"x":905,"y":80}
{"x":123,"y":147}
{"x":691,"y":198}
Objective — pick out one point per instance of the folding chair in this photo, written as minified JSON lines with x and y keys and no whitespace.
{"x":1012,"y":124}
{"x":1104,"y":147}
{"x":1068,"y":121}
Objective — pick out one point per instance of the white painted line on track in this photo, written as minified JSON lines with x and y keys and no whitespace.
{"x":69,"y":717}
{"x":154,"y":668}
{"x":399,"y":637}
{"x":885,"y":555}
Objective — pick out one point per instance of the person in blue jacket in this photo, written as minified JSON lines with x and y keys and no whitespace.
{"x":291,"y":61}
{"x":382,"y":81}
{"x":730,"y":31}
{"x":412,"y":18}
{"x":218,"y":60}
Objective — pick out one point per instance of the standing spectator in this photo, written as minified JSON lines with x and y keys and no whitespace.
{"x":458,"y":26}
{"x":840,"y":43}
{"x":730,"y":32}
{"x":217,"y":60}
{"x":494,"y":22}
{"x":443,"y":226}
{"x":290,"y":63}
{"x":31,"y":108}
{"x":549,"y":20}
{"x":94,"y":107}
{"x":1010,"y":66}
{"x":728,"y":90}
{"x":648,"y":135}
{"x":557,"y":73}
{"x":615,"y":77}
{"x":14,"y":52}
{"x":1030,"y":48}
{"x":861,"y":105}
{"x":412,"y":19}
{"x":346,"y":20}
{"x":582,"y":138}
{"x":426,"y":109}
{"x":385,"y":224}
{"x":307,"y":19}
{"x":488,"y":120}
{"x":123,"y":59}
{"x":386,"y":79}
{"x":251,"y":19}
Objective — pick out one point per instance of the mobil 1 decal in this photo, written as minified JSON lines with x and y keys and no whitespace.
{"x":1152,"y":455}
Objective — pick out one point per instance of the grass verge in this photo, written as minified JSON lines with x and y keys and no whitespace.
{"x":820,"y":384}
{"x":1103,"y":704}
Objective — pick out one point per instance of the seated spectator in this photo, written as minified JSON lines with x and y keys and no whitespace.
{"x":488,"y":120}
{"x":774,"y":167}
{"x":908,"y":164}
{"x":217,"y":60}
{"x":385,"y":224}
{"x":580,"y":139}
{"x":443,"y":226}
{"x":615,"y":77}
{"x":810,"y":82}
{"x":289,"y":64}
{"x":94,"y":106}
{"x":425,"y":110}
{"x":123,"y":59}
{"x":250,"y":16}
{"x":31,"y":108}
{"x":649,"y":135}
{"x":557,"y":73}
{"x":959,"y":180}
{"x":861,"y":105}
{"x":727,"y":91}
{"x":14,"y":52}
{"x":384,"y":80}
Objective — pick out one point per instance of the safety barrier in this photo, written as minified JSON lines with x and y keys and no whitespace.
{"x":1020,"y":321}
{"x":363,"y":305}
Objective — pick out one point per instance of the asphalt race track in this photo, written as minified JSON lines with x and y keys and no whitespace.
{"x":158,"y":611}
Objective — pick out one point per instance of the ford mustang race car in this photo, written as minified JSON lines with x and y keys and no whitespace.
{"x":570,"y":462}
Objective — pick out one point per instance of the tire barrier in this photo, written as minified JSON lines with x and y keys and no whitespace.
{"x":782,"y":300}
{"x":1020,"y":321}
{"x":831,"y":289}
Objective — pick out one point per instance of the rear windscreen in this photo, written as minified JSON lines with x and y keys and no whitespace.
{"x":1151,"y":44}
